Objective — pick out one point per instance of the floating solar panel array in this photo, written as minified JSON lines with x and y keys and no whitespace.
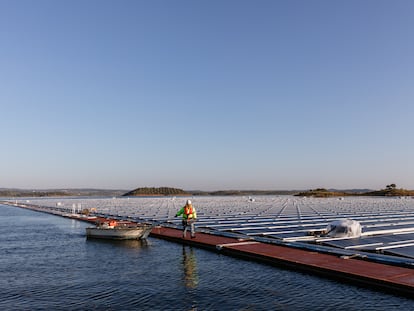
{"x":387,"y":223}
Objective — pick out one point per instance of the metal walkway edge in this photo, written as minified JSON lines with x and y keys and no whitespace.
{"x":377,"y":276}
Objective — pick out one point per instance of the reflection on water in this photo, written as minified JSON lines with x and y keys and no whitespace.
{"x":190,"y":268}
{"x":75,"y":224}
{"x":120,"y":243}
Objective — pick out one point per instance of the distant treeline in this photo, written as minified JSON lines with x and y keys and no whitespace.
{"x":11,"y":193}
{"x":390,"y":190}
{"x":244,"y":192}
{"x":167,"y":191}
{"x":23,"y":193}
{"x":161,"y":191}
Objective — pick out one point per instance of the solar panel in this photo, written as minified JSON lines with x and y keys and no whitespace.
{"x":387,"y":223}
{"x":404,"y":252}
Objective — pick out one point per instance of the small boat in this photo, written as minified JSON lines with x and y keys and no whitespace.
{"x":119,"y":231}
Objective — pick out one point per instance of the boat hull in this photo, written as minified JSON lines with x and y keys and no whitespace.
{"x":135,"y":233}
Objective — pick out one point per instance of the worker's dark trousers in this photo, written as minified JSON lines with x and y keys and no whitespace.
{"x":189,"y":223}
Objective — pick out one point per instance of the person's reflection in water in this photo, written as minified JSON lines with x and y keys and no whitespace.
{"x":190,"y":268}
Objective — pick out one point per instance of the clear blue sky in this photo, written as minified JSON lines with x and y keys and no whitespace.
{"x":207,"y":94}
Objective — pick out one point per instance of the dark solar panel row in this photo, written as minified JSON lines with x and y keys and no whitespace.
{"x":276,"y":217}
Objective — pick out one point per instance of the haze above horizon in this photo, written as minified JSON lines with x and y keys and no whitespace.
{"x":209,"y":95}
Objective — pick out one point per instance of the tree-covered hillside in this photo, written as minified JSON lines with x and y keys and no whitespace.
{"x":152,"y":191}
{"x":390,"y":190}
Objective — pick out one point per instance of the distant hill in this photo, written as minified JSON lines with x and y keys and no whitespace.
{"x":390,"y":191}
{"x":352,"y":191}
{"x":12,"y":192}
{"x":323,"y":193}
{"x":244,"y":192}
{"x":161,"y":191}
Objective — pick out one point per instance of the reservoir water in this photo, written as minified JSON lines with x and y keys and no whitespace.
{"x":46,"y":263}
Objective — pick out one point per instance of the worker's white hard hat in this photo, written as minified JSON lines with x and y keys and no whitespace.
{"x":188,"y":202}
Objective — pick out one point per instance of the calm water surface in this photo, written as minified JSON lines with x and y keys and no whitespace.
{"x":46,"y":263}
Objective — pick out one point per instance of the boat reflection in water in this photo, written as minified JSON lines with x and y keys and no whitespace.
{"x":190,"y":268}
{"x":133,"y":244}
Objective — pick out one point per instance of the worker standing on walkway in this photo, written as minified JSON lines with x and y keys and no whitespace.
{"x":189,"y":218}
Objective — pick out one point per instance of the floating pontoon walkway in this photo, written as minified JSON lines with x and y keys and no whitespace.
{"x":398,"y":280}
